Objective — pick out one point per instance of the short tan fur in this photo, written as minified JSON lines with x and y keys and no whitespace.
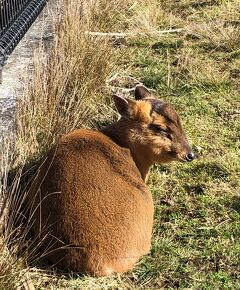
{"x":90,"y":192}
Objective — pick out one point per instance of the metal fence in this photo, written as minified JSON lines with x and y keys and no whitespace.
{"x":16,"y":16}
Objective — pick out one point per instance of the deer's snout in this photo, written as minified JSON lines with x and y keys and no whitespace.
{"x":190,"y":156}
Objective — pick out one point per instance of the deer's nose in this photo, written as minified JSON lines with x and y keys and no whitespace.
{"x":190,"y":156}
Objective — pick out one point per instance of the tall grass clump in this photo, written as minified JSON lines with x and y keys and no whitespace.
{"x":149,"y":17}
{"x":13,"y":251}
{"x":66,"y":87}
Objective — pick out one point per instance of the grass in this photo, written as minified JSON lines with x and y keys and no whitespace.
{"x":195,"y":242}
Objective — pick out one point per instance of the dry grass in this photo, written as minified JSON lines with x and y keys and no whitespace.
{"x":64,"y":89}
{"x":217,"y":35}
{"x":148,"y":17}
{"x":12,"y":266}
{"x":195,"y":69}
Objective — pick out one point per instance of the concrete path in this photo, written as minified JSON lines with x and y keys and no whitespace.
{"x":18,"y":65}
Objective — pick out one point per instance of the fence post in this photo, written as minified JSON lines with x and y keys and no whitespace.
{"x":1,"y":67}
{"x":15,"y":20}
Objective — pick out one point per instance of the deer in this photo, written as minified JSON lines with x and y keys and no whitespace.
{"x":91,"y":194}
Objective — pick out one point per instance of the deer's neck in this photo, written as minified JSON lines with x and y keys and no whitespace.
{"x":120,"y":133}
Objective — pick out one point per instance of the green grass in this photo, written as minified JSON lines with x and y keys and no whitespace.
{"x":197,"y":207}
{"x":195,"y":243}
{"x":196,"y":236}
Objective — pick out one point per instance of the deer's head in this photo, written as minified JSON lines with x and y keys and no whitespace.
{"x":154,"y":130}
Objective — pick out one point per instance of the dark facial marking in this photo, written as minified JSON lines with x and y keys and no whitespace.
{"x":165,"y":110}
{"x":157,"y":129}
{"x":156,"y":104}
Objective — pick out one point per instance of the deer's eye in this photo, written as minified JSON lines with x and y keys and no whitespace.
{"x":158,"y":129}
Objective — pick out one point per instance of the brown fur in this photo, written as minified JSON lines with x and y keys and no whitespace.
{"x":90,"y":191}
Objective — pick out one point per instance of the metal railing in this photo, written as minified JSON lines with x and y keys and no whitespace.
{"x":16,"y":16}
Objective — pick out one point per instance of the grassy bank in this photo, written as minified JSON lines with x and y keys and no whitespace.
{"x":195,"y":242}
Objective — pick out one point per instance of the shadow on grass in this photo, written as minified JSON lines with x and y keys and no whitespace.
{"x":211,"y":169}
{"x":234,"y":203}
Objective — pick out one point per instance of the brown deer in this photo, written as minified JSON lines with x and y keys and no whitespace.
{"x":90,"y":192}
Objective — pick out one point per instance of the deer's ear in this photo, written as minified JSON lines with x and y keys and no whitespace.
{"x":124,"y":106}
{"x":142,"y":92}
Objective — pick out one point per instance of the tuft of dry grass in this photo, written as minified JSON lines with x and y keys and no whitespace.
{"x":148,"y":17}
{"x":195,"y":69}
{"x":64,"y":88}
{"x":12,"y":266}
{"x":216,"y":35}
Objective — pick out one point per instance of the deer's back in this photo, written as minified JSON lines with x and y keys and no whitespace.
{"x":94,"y":199}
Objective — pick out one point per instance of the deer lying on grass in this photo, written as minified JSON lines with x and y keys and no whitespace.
{"x":90,"y":191}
